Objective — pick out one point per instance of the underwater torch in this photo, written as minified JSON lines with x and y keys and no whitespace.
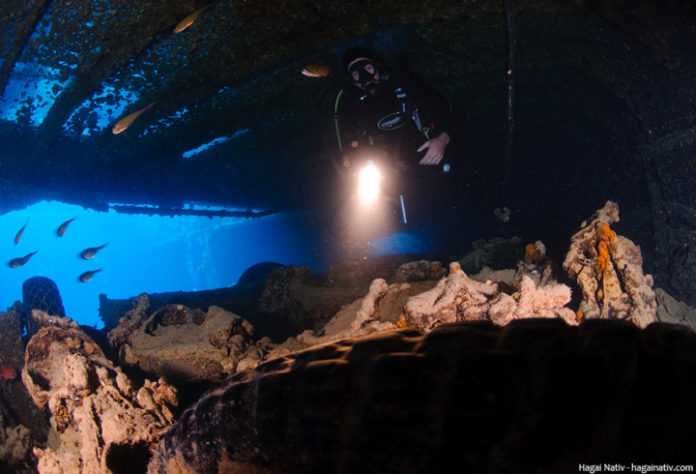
{"x":369,"y":179}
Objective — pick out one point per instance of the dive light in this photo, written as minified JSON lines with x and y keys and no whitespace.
{"x":369,"y":179}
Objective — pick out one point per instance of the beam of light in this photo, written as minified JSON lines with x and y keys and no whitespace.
{"x":369,"y":178}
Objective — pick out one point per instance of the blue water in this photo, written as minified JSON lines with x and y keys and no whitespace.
{"x":154,"y":254}
{"x":402,"y":243}
{"x":143,"y":253}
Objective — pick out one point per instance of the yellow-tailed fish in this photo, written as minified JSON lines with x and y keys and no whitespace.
{"x":190,"y":19}
{"x":19,"y":234}
{"x":91,"y":252}
{"x":123,"y":124}
{"x":63,"y":227}
{"x":19,"y":261}
{"x":316,"y":70}
{"x":87,"y":276}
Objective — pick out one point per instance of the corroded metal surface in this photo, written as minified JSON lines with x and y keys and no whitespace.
{"x":534,"y":396}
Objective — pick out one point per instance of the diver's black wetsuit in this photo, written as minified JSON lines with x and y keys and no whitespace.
{"x":383,"y":124}
{"x":393,"y":123}
{"x":402,"y":115}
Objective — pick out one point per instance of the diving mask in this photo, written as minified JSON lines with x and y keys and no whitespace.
{"x":364,"y":74}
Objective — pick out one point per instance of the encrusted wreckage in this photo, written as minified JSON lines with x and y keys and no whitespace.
{"x":98,"y":415}
{"x":462,"y":374}
{"x":470,"y":396}
{"x":14,"y":444}
{"x":460,"y":298}
{"x":184,"y":344}
{"x":609,"y":270}
{"x":454,"y":298}
{"x":100,"y":418}
{"x":22,"y":425}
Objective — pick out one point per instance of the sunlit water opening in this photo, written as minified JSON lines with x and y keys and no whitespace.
{"x":154,"y":254}
{"x":143,"y":253}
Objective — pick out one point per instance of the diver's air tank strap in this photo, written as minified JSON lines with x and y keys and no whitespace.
{"x":336,"y":125}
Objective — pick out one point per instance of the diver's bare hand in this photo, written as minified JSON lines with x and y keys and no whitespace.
{"x":436,"y":149}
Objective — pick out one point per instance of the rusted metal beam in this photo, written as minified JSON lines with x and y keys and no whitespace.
{"x":84,"y":86}
{"x":124,"y":38}
{"x":172,"y":211}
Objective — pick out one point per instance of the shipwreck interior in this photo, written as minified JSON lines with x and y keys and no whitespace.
{"x":206,"y":109}
{"x":603,"y":108}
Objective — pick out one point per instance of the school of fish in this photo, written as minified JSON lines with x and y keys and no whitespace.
{"x":87,"y":254}
{"x":119,"y":127}
{"x":311,"y":70}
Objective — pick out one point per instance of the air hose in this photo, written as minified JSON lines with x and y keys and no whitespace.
{"x":338,"y":131}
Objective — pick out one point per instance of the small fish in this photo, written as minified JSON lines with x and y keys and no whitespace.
{"x":19,"y":234}
{"x":19,"y":261}
{"x":188,"y":21}
{"x":316,"y":70}
{"x":87,"y":276}
{"x":8,"y":373}
{"x":128,"y":120}
{"x":91,"y":252}
{"x":63,"y":227}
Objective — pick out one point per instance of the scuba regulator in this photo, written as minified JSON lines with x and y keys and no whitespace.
{"x":410,"y":110}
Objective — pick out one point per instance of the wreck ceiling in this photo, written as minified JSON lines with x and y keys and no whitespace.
{"x":71,"y":69}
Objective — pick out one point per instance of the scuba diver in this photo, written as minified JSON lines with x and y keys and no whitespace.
{"x":397,"y":112}
{"x":394,"y":118}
